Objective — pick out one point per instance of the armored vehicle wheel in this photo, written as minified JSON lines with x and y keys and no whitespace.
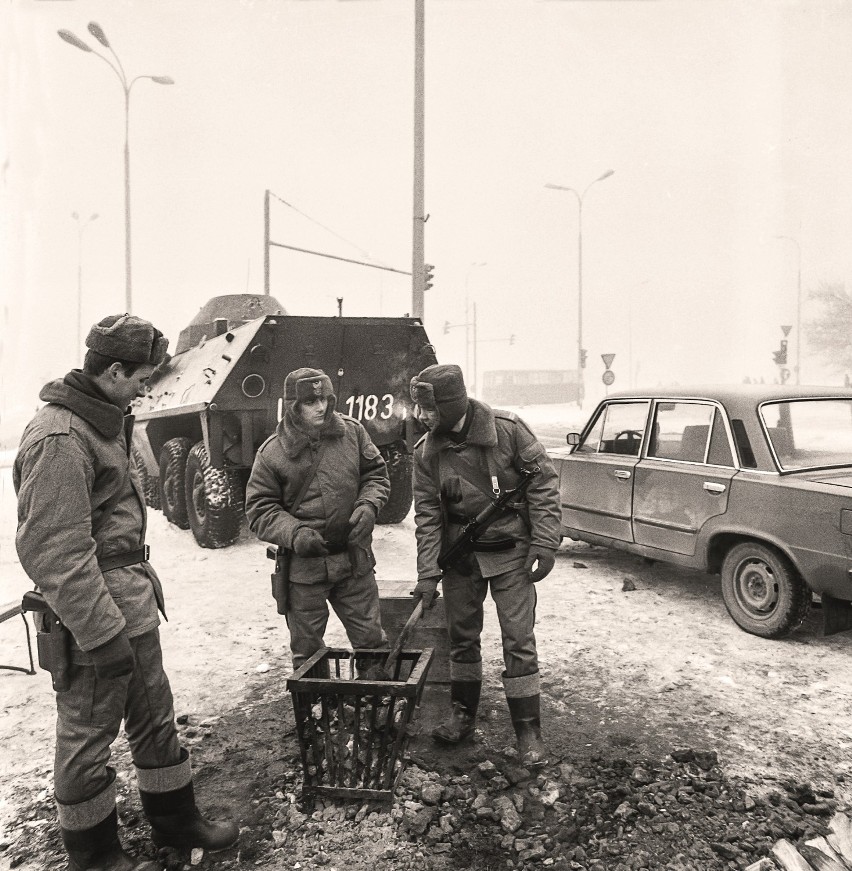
{"x":400,"y":463}
{"x":762,"y":591}
{"x":150,"y":486}
{"x":172,"y":477}
{"x":214,"y":500}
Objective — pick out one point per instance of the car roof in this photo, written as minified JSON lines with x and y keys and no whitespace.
{"x":734,"y":396}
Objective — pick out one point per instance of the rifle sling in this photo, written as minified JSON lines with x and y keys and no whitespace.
{"x":308,"y":478}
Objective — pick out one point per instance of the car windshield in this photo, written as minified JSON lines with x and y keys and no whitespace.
{"x":810,"y":433}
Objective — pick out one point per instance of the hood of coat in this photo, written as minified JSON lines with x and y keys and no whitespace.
{"x":295,"y":439}
{"x":78,"y":393}
{"x":482,"y":432}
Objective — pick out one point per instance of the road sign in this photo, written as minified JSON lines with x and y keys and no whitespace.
{"x":607,"y":358}
{"x":609,"y":376}
{"x":786,"y":330}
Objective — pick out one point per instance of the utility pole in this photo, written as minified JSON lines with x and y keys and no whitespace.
{"x":418,"y":280}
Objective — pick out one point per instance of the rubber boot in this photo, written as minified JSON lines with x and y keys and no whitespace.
{"x":526,"y":719}
{"x":98,"y":849}
{"x":177,"y":822}
{"x":464,"y":695}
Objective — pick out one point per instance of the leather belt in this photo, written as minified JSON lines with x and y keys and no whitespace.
{"x":457,"y":518}
{"x":334,"y":549}
{"x":128,"y":558}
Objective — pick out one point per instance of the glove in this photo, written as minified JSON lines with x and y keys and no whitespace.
{"x":308,"y":542}
{"x":115,"y":658}
{"x":546,"y":560}
{"x":427,"y":591}
{"x":361,"y":524}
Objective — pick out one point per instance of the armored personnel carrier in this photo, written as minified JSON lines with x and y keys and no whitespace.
{"x":211,"y":405}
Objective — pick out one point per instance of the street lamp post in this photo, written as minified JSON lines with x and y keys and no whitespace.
{"x":81,"y":225}
{"x":580,"y":196}
{"x":798,"y":303}
{"x":96,"y":31}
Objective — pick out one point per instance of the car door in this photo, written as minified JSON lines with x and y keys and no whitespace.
{"x":596,"y":479}
{"x":684,"y":478}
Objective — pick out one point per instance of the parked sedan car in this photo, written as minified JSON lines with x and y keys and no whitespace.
{"x":751,"y":482}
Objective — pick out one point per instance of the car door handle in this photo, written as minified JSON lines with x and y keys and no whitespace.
{"x":712,"y":487}
{"x":621,"y":473}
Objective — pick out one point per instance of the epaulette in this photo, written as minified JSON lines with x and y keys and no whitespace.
{"x":506,"y":415}
{"x":267,"y":441}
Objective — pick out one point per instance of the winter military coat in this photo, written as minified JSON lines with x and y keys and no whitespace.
{"x":452,"y":483}
{"x":78,"y":504}
{"x":351,"y":472}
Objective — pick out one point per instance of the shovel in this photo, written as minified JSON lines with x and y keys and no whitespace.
{"x":384,"y":671}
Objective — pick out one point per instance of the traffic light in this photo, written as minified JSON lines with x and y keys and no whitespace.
{"x":781,"y":354}
{"x":446,"y":326}
{"x":428,"y":275}
{"x":583,"y":355}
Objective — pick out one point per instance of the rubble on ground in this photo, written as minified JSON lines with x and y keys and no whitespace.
{"x":619,"y":813}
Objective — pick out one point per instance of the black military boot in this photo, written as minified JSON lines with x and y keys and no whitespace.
{"x":98,"y":849}
{"x":526,"y":719}
{"x":464,"y":695}
{"x":177,"y":822}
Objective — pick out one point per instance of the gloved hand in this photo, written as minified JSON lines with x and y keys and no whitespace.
{"x":361,"y":524}
{"x":308,"y":542}
{"x":115,"y":658}
{"x":546,"y":558}
{"x":427,"y":590}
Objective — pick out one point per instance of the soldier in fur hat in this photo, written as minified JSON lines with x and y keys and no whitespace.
{"x":316,"y":487}
{"x":81,"y":539}
{"x":470,"y":453}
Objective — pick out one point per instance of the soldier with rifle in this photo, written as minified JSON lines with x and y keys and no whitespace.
{"x":487,"y":514}
{"x":81,"y":539}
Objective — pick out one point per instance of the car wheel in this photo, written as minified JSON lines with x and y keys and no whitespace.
{"x":762,"y":591}
{"x":172,"y":474}
{"x":214,"y":500}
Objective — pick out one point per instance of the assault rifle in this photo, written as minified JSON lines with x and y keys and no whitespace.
{"x":467,"y":540}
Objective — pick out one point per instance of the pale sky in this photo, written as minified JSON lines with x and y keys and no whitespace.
{"x":726,"y":124}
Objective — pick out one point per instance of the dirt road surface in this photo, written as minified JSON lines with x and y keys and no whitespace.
{"x":629,"y":676}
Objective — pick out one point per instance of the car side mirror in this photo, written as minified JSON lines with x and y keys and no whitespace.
{"x":573,"y":439}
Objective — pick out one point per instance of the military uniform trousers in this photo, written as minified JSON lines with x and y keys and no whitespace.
{"x":514,"y":596}
{"x":356,"y":603}
{"x":89,"y":716}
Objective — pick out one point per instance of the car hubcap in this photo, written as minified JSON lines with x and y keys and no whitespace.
{"x":756,"y":589}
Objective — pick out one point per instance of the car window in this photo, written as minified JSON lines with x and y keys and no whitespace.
{"x":619,"y":429}
{"x":681,"y":431}
{"x":810,"y":432}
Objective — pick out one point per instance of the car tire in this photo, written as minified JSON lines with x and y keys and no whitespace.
{"x":172,"y":477}
{"x":763,"y":591}
{"x":400,"y":464}
{"x":214,"y":500}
